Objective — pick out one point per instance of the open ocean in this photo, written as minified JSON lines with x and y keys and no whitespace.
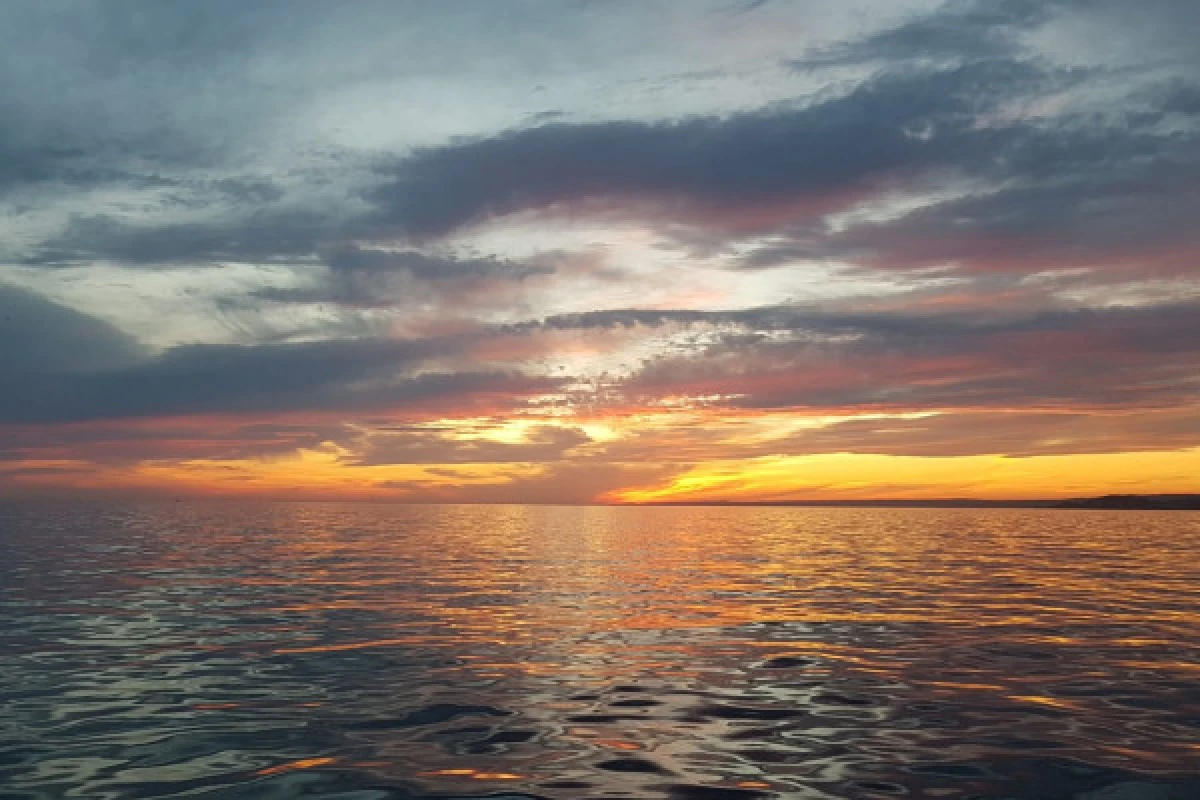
{"x":372,"y":651}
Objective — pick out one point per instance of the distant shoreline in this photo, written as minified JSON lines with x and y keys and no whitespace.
{"x":1111,"y":502}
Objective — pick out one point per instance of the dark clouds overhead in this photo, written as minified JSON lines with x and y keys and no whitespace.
{"x":369,"y":214}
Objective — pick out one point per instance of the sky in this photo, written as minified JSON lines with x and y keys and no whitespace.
{"x":611,"y":251}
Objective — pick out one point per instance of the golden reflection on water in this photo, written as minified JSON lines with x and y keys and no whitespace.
{"x":647,"y":652}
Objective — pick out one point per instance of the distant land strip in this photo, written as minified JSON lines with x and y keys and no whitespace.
{"x":1129,"y":502}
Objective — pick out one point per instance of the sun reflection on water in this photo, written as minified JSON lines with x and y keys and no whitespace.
{"x":563,"y":652}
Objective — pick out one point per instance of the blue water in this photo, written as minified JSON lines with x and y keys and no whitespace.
{"x":371,"y":651}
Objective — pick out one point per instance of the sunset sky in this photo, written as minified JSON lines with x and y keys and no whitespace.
{"x":600,"y":251}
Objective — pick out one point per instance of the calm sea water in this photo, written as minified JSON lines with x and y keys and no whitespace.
{"x":355,"y":651}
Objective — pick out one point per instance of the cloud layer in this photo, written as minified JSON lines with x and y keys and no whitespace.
{"x":530,"y":254}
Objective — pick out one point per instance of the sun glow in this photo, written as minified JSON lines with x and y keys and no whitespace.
{"x":642,"y":456}
{"x":858,"y":476}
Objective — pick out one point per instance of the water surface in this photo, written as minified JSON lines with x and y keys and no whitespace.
{"x":370,"y":651}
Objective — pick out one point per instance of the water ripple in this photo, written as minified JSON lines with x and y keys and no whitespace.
{"x":533,"y":652}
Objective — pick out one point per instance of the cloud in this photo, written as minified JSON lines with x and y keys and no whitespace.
{"x":93,"y":93}
{"x":40,"y":337}
{"x":781,"y":357}
{"x":262,"y":236}
{"x":1112,"y":200}
{"x":541,"y":444}
{"x":296,"y":229}
{"x":1076,"y":189}
{"x":206,"y":379}
{"x":133,"y":440}
{"x":963,"y":30}
{"x":561,"y":483}
{"x":893,"y":124}
{"x":49,"y":384}
{"x":1048,"y":185}
{"x":1015,"y":434}
{"x":359,"y":277}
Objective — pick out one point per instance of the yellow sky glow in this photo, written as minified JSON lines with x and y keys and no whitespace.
{"x":325,"y":473}
{"x":867,"y":476}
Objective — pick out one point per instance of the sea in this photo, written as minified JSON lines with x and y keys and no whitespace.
{"x":363,"y":651}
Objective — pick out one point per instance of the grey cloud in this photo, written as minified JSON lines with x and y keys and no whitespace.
{"x":840,"y":144}
{"x":903,"y":123}
{"x":1009,"y":434}
{"x":268,"y":235}
{"x":793,"y":357}
{"x":1181,"y":98}
{"x":91,"y":90}
{"x":542,"y":444}
{"x":1122,"y":213}
{"x":374,"y":278}
{"x":1122,"y":358}
{"x":1012,"y":433}
{"x":964,"y":30}
{"x":53,"y":385}
{"x":39,"y":336}
{"x":352,"y":376}
{"x":1059,"y":187}
{"x":128,"y":441}
{"x":341,"y":273}
{"x":429,"y":267}
{"x":200,"y":378}
{"x":882,"y":324}
{"x":100,"y":93}
{"x":907,"y":119}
